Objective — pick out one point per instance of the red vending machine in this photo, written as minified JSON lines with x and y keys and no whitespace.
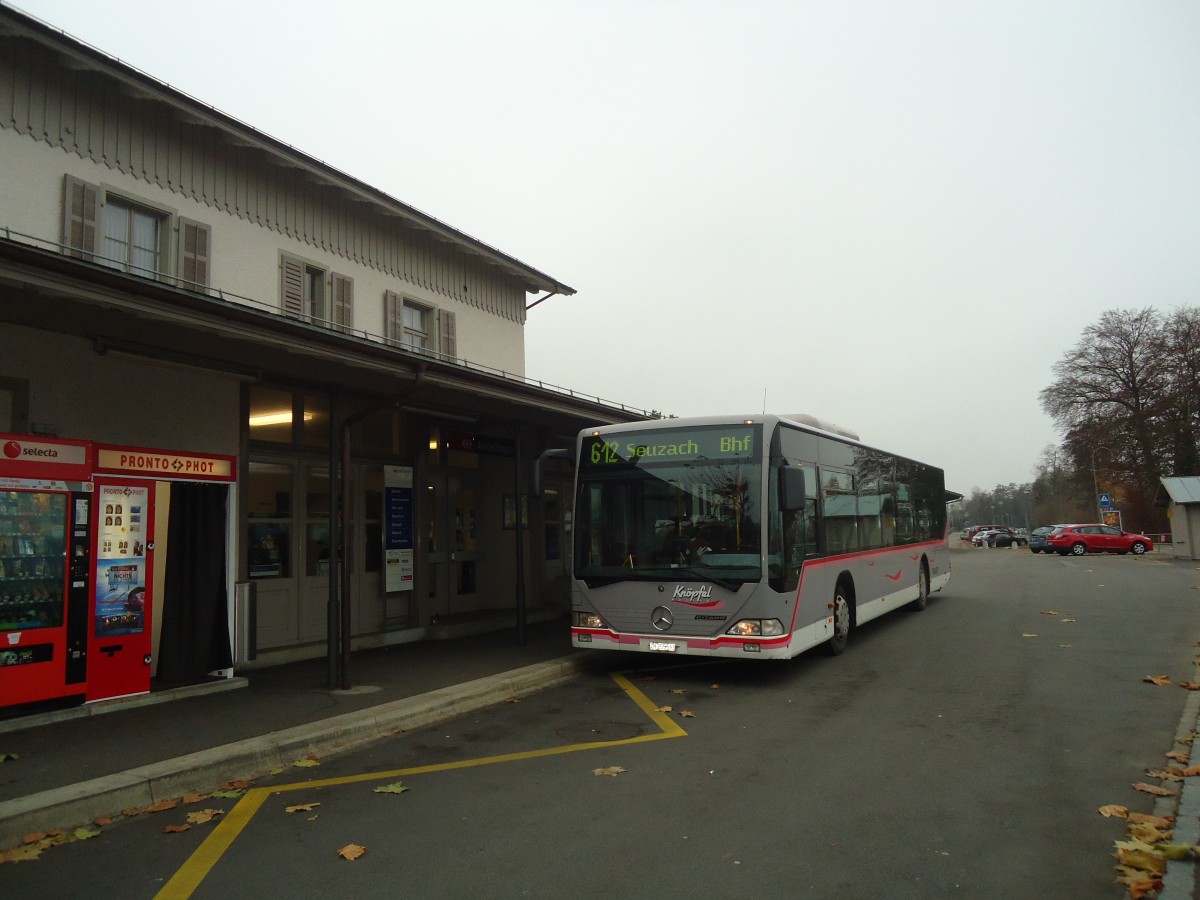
{"x":45,"y":567}
{"x":120,"y":637}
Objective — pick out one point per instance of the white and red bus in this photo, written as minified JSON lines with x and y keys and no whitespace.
{"x":754,"y":536}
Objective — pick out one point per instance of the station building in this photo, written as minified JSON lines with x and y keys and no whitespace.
{"x":182,"y":291}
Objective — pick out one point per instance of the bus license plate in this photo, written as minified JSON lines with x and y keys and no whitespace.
{"x":663,"y":646}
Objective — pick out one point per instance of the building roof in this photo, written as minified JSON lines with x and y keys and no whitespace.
{"x":140,"y":84}
{"x":1184,"y":489}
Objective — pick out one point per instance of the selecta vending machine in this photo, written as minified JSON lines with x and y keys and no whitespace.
{"x":45,"y":568}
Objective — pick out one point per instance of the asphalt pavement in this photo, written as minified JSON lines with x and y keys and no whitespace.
{"x":66,"y":768}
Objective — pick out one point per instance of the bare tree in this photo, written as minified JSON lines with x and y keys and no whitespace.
{"x":1110,"y":392}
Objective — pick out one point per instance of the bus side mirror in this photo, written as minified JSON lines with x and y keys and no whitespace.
{"x":791,"y":488}
{"x":540,"y":465}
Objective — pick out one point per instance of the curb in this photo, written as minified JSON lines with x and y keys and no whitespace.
{"x":206,"y":770}
{"x":1179,"y":879}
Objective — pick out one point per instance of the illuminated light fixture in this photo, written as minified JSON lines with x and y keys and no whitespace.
{"x":433,"y":443}
{"x":279,"y":418}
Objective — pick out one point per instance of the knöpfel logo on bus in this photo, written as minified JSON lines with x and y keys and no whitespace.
{"x":693,"y":595}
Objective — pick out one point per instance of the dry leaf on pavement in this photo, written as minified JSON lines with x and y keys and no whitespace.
{"x":176,"y":829}
{"x":352,"y":852}
{"x":1157,"y":679}
{"x":1113,"y":809}
{"x":396,"y":787}
{"x":614,"y":771}
{"x":204,"y":816}
{"x":301,"y":807}
{"x":1154,"y":789}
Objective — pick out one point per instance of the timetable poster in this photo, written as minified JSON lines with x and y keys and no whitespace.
{"x":398,"y":544}
{"x":120,"y":585}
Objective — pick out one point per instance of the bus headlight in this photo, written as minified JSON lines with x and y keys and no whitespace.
{"x":757,"y":628}
{"x":588,"y":620}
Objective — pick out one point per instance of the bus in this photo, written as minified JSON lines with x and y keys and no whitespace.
{"x":758,"y":536}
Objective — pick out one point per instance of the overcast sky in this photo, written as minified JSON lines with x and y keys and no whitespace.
{"x":893,"y":215}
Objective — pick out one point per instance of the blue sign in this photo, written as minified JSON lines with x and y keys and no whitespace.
{"x":1105,"y":501}
{"x":398,"y":532}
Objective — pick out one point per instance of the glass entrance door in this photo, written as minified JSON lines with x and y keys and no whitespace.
{"x":453,"y":543}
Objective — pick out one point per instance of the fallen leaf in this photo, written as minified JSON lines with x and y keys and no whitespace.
{"x":1154,"y":789}
{"x":678,"y":690}
{"x":6,"y":757}
{"x":613,"y":771}
{"x":232,"y":794}
{"x":85,"y":833}
{"x":33,"y":837}
{"x":176,"y":829}
{"x":278,"y":770}
{"x":395,"y":787}
{"x":665,"y":709}
{"x":307,"y":763}
{"x":240,"y":785}
{"x":102,"y":822}
{"x":1148,"y":833}
{"x":352,"y":852}
{"x":512,"y":700}
{"x":1190,"y":685}
{"x":301,"y":807}
{"x":204,"y":816}
{"x":1113,"y":809}
{"x":1051,"y":612}
{"x":1140,"y":855}
{"x":1178,"y":755}
{"x":22,"y":854}
{"x":1179,"y":851}
{"x":194,"y":798}
{"x":1168,"y":774}
{"x":1157,"y":679}
{"x":715,"y":687}
{"x":1028,"y":635}
{"x":1068,"y":620}
{"x":1147,"y":819}
{"x":686,"y":714}
{"x":160,"y":806}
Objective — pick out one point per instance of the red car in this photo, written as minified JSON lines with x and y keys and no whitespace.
{"x":1083,"y":539}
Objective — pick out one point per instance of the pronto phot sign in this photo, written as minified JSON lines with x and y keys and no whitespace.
{"x":164,"y":464}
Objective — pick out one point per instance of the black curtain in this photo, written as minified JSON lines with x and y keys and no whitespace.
{"x":195,"y":622}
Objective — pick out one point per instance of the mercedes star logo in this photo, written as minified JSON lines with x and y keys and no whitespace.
{"x":661,"y":618}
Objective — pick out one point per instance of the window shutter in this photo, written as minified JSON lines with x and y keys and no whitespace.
{"x":393,"y":327}
{"x":343,"y":302}
{"x":447,"y":337}
{"x":79,"y":217}
{"x":193,"y":252}
{"x":291,"y":287}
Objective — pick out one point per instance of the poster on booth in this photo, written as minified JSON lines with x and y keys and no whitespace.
{"x":398,"y":544}
{"x":120,"y":587}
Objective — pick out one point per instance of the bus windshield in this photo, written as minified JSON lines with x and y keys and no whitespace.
{"x":663,"y":504}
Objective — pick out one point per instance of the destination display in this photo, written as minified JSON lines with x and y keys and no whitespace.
{"x":691,"y":445}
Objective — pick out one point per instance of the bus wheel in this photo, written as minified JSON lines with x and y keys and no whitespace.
{"x":922,"y":600}
{"x":841,"y":622}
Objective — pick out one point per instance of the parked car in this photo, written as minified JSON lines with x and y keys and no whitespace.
{"x":1092,"y":538}
{"x":998,"y":537}
{"x":969,"y":534}
{"x":1038,"y":538}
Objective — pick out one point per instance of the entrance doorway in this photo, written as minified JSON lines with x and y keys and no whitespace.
{"x":454,"y":543}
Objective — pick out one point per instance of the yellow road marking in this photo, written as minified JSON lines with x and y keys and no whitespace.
{"x":187,"y":879}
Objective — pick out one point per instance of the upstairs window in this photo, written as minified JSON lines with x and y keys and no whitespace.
{"x":417,"y":327}
{"x":314,"y":294}
{"x":133,"y":238}
{"x":415,"y":335}
{"x":123,"y":233}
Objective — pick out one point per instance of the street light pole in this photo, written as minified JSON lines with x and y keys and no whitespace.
{"x":1096,"y":484}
